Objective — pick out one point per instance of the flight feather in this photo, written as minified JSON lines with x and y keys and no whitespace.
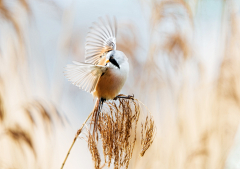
{"x":100,"y":39}
{"x":84,"y":75}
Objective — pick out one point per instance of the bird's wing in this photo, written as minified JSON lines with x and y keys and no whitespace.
{"x":84,"y":75}
{"x":101,"y":38}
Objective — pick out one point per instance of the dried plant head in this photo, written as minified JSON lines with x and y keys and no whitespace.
{"x":228,"y":82}
{"x":10,"y":17}
{"x":42,"y":112}
{"x":177,"y":16}
{"x":162,"y":10}
{"x":117,"y":131}
{"x":128,"y":40}
{"x":168,"y":48}
{"x":147,"y":134}
{"x":92,"y":146}
{"x":177,"y":46}
{"x":21,"y":136}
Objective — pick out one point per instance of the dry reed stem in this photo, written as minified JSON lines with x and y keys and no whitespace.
{"x":1,"y":109}
{"x":75,"y":138}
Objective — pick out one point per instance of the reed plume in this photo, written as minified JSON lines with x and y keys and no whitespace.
{"x":24,"y":119}
{"x":117,"y":130}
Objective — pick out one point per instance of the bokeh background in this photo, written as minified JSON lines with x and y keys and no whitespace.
{"x":184,"y":66}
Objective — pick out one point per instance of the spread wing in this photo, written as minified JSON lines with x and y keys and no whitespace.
{"x":100,"y":39}
{"x":84,"y":75}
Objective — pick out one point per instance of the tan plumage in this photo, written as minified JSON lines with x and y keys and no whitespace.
{"x":110,"y":84}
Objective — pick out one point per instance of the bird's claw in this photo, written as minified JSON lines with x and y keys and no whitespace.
{"x":131,"y":96}
{"x":121,"y":96}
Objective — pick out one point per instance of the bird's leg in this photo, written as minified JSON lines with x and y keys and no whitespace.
{"x":103,"y":100}
{"x":122,"y":96}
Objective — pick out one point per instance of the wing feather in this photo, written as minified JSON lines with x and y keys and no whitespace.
{"x":101,"y":38}
{"x":84,"y":75}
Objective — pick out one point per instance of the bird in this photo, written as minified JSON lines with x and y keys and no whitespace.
{"x":105,"y":70}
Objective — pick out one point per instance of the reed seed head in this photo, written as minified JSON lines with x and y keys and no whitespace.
{"x":117,"y":130}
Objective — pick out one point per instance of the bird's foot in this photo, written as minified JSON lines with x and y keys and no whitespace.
{"x":122,"y":96}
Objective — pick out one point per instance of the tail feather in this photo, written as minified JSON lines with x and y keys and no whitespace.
{"x":97,"y":110}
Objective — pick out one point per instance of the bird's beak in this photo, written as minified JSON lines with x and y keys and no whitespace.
{"x":107,"y":61}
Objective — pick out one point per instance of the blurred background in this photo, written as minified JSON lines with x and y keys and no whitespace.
{"x":184,"y":66}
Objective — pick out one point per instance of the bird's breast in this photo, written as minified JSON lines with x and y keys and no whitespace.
{"x":111,"y":82}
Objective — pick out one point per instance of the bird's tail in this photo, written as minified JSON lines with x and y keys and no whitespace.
{"x":95,"y":116}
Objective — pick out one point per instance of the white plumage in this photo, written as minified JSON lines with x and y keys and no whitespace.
{"x":83,"y":75}
{"x":101,"y":38}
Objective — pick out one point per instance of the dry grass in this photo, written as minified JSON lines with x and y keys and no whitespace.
{"x":92,"y":145}
{"x":24,"y":121}
{"x":117,"y":130}
{"x":199,"y":118}
{"x":147,"y":134}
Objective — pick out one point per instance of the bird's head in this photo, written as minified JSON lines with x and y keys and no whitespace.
{"x":117,"y":58}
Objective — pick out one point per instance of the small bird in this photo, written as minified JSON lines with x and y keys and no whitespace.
{"x":105,"y":69}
